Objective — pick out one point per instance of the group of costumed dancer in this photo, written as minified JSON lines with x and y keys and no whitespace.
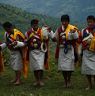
{"x":32,"y":49}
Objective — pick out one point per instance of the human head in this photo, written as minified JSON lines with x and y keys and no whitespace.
{"x":34,"y":24}
{"x":65,"y":20}
{"x":8,"y":27}
{"x":91,"y":21}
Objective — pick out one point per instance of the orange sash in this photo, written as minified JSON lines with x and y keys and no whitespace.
{"x":92,"y":45}
{"x":1,"y":63}
{"x":25,"y":61}
{"x":46,"y":60}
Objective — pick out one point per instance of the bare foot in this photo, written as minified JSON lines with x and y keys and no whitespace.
{"x":13,"y":81}
{"x":17,"y":83}
{"x":88,"y":88}
{"x":35,"y":84}
{"x":65,"y":86}
{"x":41,"y":83}
{"x":68,"y":85}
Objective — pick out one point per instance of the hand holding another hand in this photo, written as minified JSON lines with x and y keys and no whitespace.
{"x":14,"y":43}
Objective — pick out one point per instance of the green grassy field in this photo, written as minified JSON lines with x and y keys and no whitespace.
{"x":54,"y":84}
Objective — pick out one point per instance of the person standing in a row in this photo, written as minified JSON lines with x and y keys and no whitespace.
{"x":37,"y":48}
{"x":14,"y":41}
{"x":88,"y":48}
{"x":66,"y":36}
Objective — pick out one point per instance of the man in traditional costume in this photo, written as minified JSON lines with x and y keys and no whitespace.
{"x":37,"y":48}
{"x":13,"y":40}
{"x":66,"y":36}
{"x":88,"y":48}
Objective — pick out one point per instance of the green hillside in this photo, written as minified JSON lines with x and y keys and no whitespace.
{"x":22,"y":19}
{"x":77,"y":9}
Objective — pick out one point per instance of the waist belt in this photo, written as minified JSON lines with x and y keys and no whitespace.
{"x":33,"y":48}
{"x":66,"y":48}
{"x":13,"y":49}
{"x":63,"y":46}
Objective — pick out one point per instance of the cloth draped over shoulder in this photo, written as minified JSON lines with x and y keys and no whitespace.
{"x":18,"y":36}
{"x":92,"y":45}
{"x":15,"y":36}
{"x":88,"y":39}
{"x":33,"y":37}
{"x":18,"y":33}
{"x":67,"y":30}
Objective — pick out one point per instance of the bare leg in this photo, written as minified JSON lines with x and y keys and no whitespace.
{"x":14,"y":79}
{"x":94,"y":79}
{"x":65,"y":77}
{"x":89,"y":82}
{"x":18,"y":75}
{"x":69,"y":78}
{"x":41,"y":77}
{"x":38,"y":76}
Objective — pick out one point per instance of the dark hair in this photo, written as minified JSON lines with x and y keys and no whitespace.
{"x":7,"y":25}
{"x":34,"y":21}
{"x":65,"y":18}
{"x":91,"y":17}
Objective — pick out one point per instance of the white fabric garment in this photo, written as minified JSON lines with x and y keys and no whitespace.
{"x":88,"y":59}
{"x":3,"y":45}
{"x":19,"y":44}
{"x":16,"y":60}
{"x":46,"y":33}
{"x":36,"y":58}
{"x":66,"y":61}
{"x":72,"y":36}
{"x":88,"y":63}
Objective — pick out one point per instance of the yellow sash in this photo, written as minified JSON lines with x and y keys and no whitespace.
{"x":39,"y":31}
{"x":16,"y":33}
{"x":68,"y":29}
{"x":24,"y":52}
{"x":92,"y":44}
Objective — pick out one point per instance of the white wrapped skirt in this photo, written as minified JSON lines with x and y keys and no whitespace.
{"x":66,"y":61}
{"x":36,"y":58}
{"x":88,"y":63}
{"x":16,"y":60}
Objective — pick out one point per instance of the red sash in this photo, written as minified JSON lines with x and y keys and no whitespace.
{"x":34,"y":39}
